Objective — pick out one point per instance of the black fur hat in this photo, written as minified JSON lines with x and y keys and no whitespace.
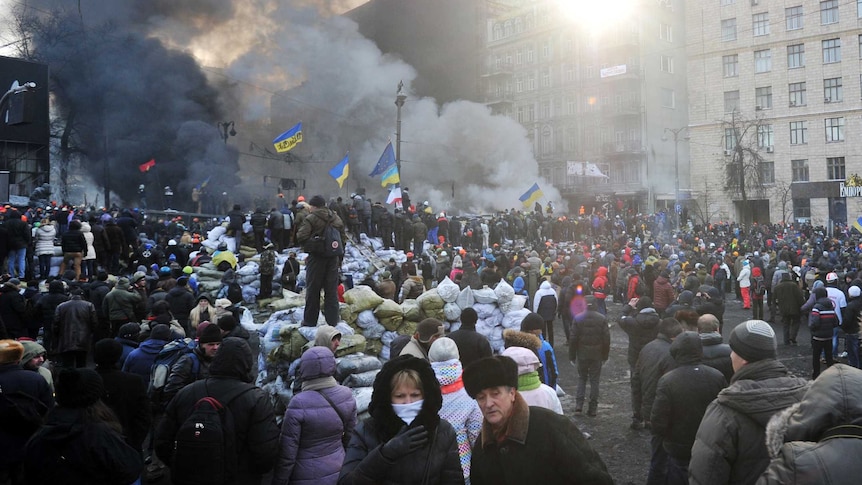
{"x":490,"y":372}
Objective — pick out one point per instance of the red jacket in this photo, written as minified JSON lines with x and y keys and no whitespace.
{"x":663,"y":294}
{"x":600,"y":284}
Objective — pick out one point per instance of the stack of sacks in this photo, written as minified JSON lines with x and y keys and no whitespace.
{"x":361,"y":298}
{"x":270,"y":340}
{"x":449,"y":293}
{"x":357,"y":370}
{"x":432,"y":305}
{"x":218,"y":235}
{"x":289,"y":300}
{"x":490,"y":323}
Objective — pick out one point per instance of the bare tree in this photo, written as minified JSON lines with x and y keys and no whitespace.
{"x":783,"y":191}
{"x":743,"y":170}
{"x":705,"y":207}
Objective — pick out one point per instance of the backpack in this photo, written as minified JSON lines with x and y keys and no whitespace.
{"x":165,"y":360}
{"x":234,"y":293}
{"x":20,"y":413}
{"x":640,"y":287}
{"x":327,"y":244}
{"x":759,"y":286}
{"x":205,"y":451}
{"x":720,"y":274}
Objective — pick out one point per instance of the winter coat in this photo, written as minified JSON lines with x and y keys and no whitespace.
{"x":312,"y":450}
{"x":730,"y":445}
{"x":545,"y":302}
{"x":459,"y":409}
{"x":74,"y":322}
{"x":13,"y":310}
{"x":140,"y":361}
{"x":126,"y":395}
{"x":744,"y":277}
{"x":116,"y":239}
{"x":258,"y":221}
{"x":182,"y":302}
{"x":472,"y":345}
{"x":653,"y":362}
{"x":412,"y":287}
{"x":182,"y":372}
{"x":122,"y":304}
{"x":822,"y":319}
{"x":437,"y":461}
{"x":716,"y":354}
{"x":663,"y":294}
{"x":14,"y":378}
{"x":316,"y":222}
{"x":95,"y":294}
{"x":590,"y":336}
{"x":641,"y":329}
{"x":549,"y":370}
{"x":386,"y":289}
{"x":540,"y":447}
{"x":45,"y":235}
{"x":789,"y":297}
{"x":600,"y":286}
{"x":255,"y":431}
{"x":795,"y":436}
{"x":682,"y":396}
{"x":70,"y":448}
{"x":90,"y":253}
{"x":414,"y":348}
{"x":852,"y":312}
{"x":18,"y":232}
{"x":73,"y":242}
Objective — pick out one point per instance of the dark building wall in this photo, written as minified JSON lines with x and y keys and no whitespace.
{"x":441,"y":39}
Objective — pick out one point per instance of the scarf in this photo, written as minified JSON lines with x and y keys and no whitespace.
{"x":319,"y":383}
{"x":408,"y":412}
{"x":529,"y":381}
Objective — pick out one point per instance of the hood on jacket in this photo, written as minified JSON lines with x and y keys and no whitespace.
{"x":325,"y":334}
{"x":834,"y":398}
{"x":686,"y":297}
{"x":85,"y":227}
{"x":663,"y":281}
{"x":233,"y":359}
{"x":380,"y":408}
{"x":152,"y":346}
{"x":817,"y":284}
{"x":687,"y":349}
{"x":526,"y":359}
{"x":517,"y":338}
{"x":762,"y":388}
{"x":602,"y":271}
{"x":31,"y":350}
{"x":316,"y":362}
{"x":546,"y":285}
{"x":567,"y":281}
{"x":755,"y":272}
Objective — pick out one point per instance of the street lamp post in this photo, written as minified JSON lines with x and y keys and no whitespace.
{"x":15,"y":89}
{"x":226,"y":130}
{"x":400,"y":98}
{"x":676,"y":132}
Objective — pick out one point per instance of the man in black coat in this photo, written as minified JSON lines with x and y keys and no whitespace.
{"x":789,"y":298}
{"x":711,"y":302}
{"x":472,"y":345}
{"x":641,"y":328}
{"x":591,"y":341}
{"x":124,"y":392}
{"x":255,"y":430}
{"x":182,"y":302}
{"x":682,"y":397}
{"x":18,"y":234}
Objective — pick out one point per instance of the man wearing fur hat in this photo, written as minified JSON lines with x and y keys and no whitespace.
{"x":321,"y":272}
{"x":520,"y":443}
{"x":730,"y":443}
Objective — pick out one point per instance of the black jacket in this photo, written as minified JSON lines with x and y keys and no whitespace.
{"x":95,"y":293}
{"x":590,"y":336}
{"x":182,"y":302}
{"x":716,"y":354}
{"x":18,"y":232}
{"x":13,"y":310}
{"x":851,"y":315}
{"x":74,"y":322}
{"x":14,"y":378}
{"x":641,"y":329}
{"x":125,"y":393}
{"x":73,"y":242}
{"x":472,"y":345}
{"x":654,"y":361}
{"x":682,"y":396}
{"x":255,"y":431}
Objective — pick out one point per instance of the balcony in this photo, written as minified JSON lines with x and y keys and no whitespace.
{"x":621,"y":109}
{"x":623,"y":147}
{"x":499,"y":69}
{"x":493,"y":98}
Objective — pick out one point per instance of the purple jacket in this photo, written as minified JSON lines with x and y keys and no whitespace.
{"x":311,"y":435}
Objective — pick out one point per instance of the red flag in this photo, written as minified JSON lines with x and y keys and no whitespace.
{"x":145,"y":167}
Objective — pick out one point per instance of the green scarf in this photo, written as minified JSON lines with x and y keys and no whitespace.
{"x":529,"y":381}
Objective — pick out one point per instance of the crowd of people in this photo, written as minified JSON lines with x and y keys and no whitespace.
{"x":110,"y":368}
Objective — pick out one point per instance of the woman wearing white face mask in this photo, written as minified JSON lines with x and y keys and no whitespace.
{"x":404,"y":440}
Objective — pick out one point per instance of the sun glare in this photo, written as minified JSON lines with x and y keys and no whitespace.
{"x":596,"y":15}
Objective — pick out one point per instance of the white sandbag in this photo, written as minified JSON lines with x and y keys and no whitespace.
{"x":505,"y":293}
{"x":452,"y":312}
{"x":247,"y":320}
{"x":518,"y":302}
{"x":248,"y":279}
{"x":465,"y":298}
{"x":485,"y":295}
{"x":249,"y":269}
{"x":216,"y":233}
{"x":374,"y":332}
{"x":355,"y":364}
{"x":249,"y":294}
{"x":310,"y":333}
{"x":388,"y":337}
{"x":484,"y":310}
{"x":513,"y":318}
{"x":454,"y":326}
{"x":344,"y":329}
{"x":367,"y":319}
{"x":230,"y":242}
{"x":362,"y":396}
{"x":448,"y":290}
{"x":385,"y":352}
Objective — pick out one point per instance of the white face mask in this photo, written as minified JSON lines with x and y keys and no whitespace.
{"x":408,"y":412}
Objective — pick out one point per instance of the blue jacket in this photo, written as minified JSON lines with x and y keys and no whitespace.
{"x":140,"y":361}
{"x":128,"y":347}
{"x":549,"y":363}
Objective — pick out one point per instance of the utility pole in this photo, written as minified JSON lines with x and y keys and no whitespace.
{"x":676,"y":208}
{"x":400,"y":98}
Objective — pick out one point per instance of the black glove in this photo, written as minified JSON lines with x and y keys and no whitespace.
{"x":405,"y":442}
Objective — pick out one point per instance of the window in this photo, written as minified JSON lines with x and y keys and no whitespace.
{"x":731,"y":65}
{"x":571,"y":106}
{"x":795,"y":56}
{"x":764,"y":136}
{"x":835,"y":168}
{"x":530,"y":54}
{"x":729,"y":139}
{"x":546,"y":78}
{"x":667,"y":64}
{"x":521,"y":117}
{"x":763,"y":60}
{"x":834,"y":129}
{"x":859,"y":9}
{"x":727,"y":2}
{"x":831,"y":50}
{"x":860,"y":43}
{"x":519,"y":85}
{"x":570,"y":73}
{"x":800,"y":170}
{"x":668,"y":99}
{"x":546,"y":50}
{"x":798,"y":132}
{"x":531,"y":83}
{"x":828,"y":12}
{"x":797,"y":94}
{"x":793,"y":17}
{"x":763,"y":97}
{"x":728,"y":29}
{"x":832,"y":91}
{"x":731,"y":101}
{"x":767,"y":172}
{"x":802,"y":208}
{"x":519,"y":57}
{"x":665,"y":32}
{"x":546,"y":110}
{"x":760,"y":24}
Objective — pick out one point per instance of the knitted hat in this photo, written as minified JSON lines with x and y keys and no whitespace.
{"x":526,"y":359}
{"x":428,"y":328}
{"x":107,"y":352}
{"x":753,"y":340}
{"x":227,"y":323}
{"x":533,"y":321}
{"x":11,"y":351}
{"x":129,"y":331}
{"x":78,"y":388}
{"x":210,"y":334}
{"x":223,"y":303}
{"x":443,"y":349}
{"x":490,"y":372}
{"x":123,"y":283}
{"x":160,"y":332}
{"x":854,"y":291}
{"x":317,"y":201}
{"x":188,"y":270}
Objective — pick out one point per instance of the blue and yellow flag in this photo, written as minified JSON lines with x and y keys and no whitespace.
{"x":341,"y":171}
{"x":386,"y":160}
{"x":857,"y":224}
{"x":531,"y":196}
{"x":289,"y":139}
{"x":391,"y":176}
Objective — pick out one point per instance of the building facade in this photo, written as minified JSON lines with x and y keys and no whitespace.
{"x":596,"y":102}
{"x":775,"y":93}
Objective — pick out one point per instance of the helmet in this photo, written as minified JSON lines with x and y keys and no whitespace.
{"x":300,"y":199}
{"x":831,"y":277}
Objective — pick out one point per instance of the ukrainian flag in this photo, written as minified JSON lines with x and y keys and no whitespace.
{"x":531,"y":196}
{"x":289,"y":139}
{"x":390,"y":176}
{"x":341,"y":171}
{"x":857,"y":224}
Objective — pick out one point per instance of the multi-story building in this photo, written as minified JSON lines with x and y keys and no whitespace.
{"x":595,"y":99}
{"x":774,"y":92}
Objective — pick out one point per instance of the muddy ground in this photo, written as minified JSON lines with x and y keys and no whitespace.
{"x":627,"y":452}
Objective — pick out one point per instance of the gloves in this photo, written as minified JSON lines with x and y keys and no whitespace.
{"x":405,"y":442}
